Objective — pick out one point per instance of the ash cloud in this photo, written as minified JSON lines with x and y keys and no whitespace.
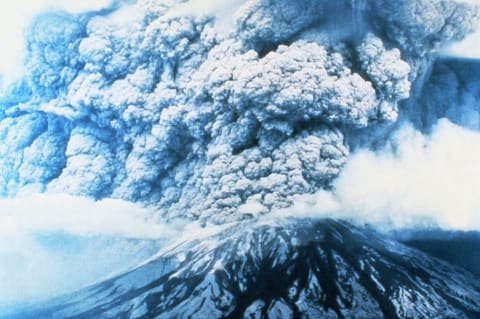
{"x":16,"y":17}
{"x":151,"y":104}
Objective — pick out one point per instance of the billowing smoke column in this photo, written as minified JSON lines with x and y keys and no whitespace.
{"x":153,"y":103}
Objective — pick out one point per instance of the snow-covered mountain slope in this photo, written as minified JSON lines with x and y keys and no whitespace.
{"x":281,"y":269}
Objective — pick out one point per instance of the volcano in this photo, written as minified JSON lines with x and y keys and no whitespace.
{"x":284,"y":269}
{"x":273,"y":150}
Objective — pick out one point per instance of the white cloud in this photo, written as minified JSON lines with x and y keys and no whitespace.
{"x":467,"y":48}
{"x":417,"y":181}
{"x":78,"y":216}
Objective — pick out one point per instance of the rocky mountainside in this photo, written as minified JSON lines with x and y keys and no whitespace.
{"x":282,"y":269}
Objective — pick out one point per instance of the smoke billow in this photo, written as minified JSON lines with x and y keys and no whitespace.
{"x":417,"y":180}
{"x":15,"y":18}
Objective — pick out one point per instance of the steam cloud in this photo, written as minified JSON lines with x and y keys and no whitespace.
{"x":416,"y":180}
{"x":78,"y":216}
{"x":468,"y":47}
